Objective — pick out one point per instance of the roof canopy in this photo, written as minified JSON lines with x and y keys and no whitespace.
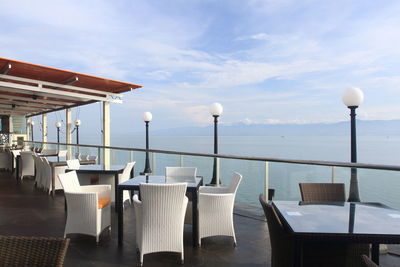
{"x":30,"y":90}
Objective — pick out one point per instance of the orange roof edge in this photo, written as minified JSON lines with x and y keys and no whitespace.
{"x":132,"y":85}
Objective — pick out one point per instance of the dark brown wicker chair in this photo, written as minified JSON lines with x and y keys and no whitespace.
{"x":322,"y":192}
{"x":367,"y":262}
{"x":20,"y":251}
{"x":315,"y":254}
{"x":282,"y":243}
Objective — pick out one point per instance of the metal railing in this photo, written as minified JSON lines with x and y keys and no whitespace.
{"x":265,"y":160}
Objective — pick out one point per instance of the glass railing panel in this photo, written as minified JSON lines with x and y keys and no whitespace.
{"x":139,"y":158}
{"x":285,"y":178}
{"x":379,"y":186}
{"x":203,"y":165}
{"x":162,"y":160}
{"x":252,"y":183}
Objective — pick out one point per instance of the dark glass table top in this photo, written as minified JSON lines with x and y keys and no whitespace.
{"x":339,"y":218}
{"x":137,"y":180}
{"x":101,"y":168}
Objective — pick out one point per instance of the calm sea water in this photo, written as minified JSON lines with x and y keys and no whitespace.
{"x":374,"y":185}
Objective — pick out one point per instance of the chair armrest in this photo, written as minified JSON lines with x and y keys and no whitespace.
{"x":103,"y":190}
{"x":211,"y":201}
{"x":213,"y":189}
{"x":79,"y":198}
{"x":136,"y":200}
{"x":95,"y":188}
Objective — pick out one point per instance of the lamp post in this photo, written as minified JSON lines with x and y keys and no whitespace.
{"x":77,"y":124}
{"x":58,"y":126}
{"x":352,"y":98}
{"x":147,"y":117}
{"x":216,"y":110}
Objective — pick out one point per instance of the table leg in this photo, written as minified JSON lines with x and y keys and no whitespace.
{"x":375,"y":253}
{"x":298,"y":252}
{"x":53,"y":180}
{"x":120,"y":208}
{"x":17,"y":163}
{"x":195,"y":214}
{"x":116,"y":182}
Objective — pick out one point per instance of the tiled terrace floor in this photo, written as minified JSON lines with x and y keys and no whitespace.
{"x":27,"y":211}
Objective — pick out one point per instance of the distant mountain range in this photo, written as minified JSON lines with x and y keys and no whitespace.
{"x":370,"y":127}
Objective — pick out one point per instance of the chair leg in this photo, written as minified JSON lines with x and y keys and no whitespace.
{"x":182,"y":259}
{"x":234,"y":241}
{"x":141,"y":259}
{"x":97,"y":239}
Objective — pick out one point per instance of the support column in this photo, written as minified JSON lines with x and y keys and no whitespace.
{"x":106,"y":132}
{"x":44,"y":129}
{"x":68,"y":135}
{"x":28,"y":130}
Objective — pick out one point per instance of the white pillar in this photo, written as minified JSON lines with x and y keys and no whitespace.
{"x":266,"y":181}
{"x":28,"y":130}
{"x":44,"y":129}
{"x":68,"y":126}
{"x":106,"y":132}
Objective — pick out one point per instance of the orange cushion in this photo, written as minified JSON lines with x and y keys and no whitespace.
{"x":103,"y":202}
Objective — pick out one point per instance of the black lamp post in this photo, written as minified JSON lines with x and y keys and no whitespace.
{"x":58,"y":126}
{"x":147,"y":117}
{"x":216,"y":110}
{"x":77,"y":124}
{"x":352,"y":98}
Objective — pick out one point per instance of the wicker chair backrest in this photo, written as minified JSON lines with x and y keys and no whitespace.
{"x":127,"y":171}
{"x":69,"y":181}
{"x":322,"y":192}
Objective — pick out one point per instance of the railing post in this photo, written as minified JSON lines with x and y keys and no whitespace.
{"x":266,"y":180}
{"x":131,"y":156}
{"x":181,"y":160}
{"x":218,"y":172}
{"x":113,"y":157}
{"x":153,"y":162}
{"x":333,"y":174}
{"x":98,"y":155}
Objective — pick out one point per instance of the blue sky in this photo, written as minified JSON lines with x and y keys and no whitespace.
{"x":265,"y":61}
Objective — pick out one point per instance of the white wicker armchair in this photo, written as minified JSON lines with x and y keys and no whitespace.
{"x":125,"y":177}
{"x":73,"y":164}
{"x":159,"y":218}
{"x":28,"y":166}
{"x":216,"y":209}
{"x":88,"y":207}
{"x":180,"y":174}
{"x":62,"y":153}
{"x":38,"y":166}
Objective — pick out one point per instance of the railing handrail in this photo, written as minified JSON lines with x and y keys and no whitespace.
{"x":251,"y":158}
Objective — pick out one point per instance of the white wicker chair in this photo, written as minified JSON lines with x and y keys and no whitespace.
{"x":73,"y":164}
{"x":92,"y":158}
{"x":84,"y":157}
{"x":39,"y":170}
{"x":216,"y":209}
{"x":77,"y":155}
{"x":88,"y":207}
{"x":49,"y":152}
{"x":125,"y":177}
{"x":159,"y":218}
{"x":180,"y":174}
{"x":27,"y":164}
{"x":46,"y":174}
{"x":62,"y":153}
{"x":15,"y":153}
{"x":5,"y":159}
